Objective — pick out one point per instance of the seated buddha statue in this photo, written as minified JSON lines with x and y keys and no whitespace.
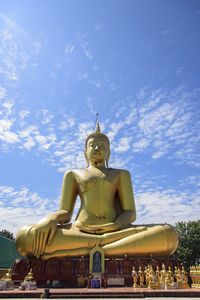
{"x":104,"y":219}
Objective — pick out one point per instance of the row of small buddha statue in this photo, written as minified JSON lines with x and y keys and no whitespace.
{"x":6,"y":283}
{"x":160,"y":278}
{"x":195,"y":276}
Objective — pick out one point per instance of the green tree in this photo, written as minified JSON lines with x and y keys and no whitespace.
{"x":7,"y":234}
{"x":188,"y":251}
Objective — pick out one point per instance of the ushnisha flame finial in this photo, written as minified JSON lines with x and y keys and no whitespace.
{"x":97,"y":132}
{"x":97,"y":129}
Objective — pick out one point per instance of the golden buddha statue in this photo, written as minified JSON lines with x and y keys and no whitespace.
{"x":153,"y":282}
{"x":29,"y":276}
{"x":170,"y":275}
{"x":158,"y":272}
{"x":8,"y":276}
{"x":141,"y":277}
{"x":104,"y":219}
{"x":135,"y":277}
{"x":163,"y":273}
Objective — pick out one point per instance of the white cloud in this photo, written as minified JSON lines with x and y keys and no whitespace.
{"x":46,"y":116}
{"x":8,"y":106}
{"x":46,"y":141}
{"x":85,"y":46}
{"x":69,"y":49}
{"x":84,"y":129}
{"x":5,"y":125}
{"x":115,"y":127}
{"x":70,"y":122}
{"x":40,"y":139}
{"x":131,"y":116}
{"x":165,"y":129}
{"x":140,"y":145}
{"x":158,"y":154}
{"x":123,"y":144}
{"x":168,"y":206}
{"x":9,"y":137}
{"x":29,"y":143}
{"x":3,"y":92}
{"x":27,"y":206}
{"x":63,"y":125}
{"x":87,"y":52}
{"x":23,"y":114}
{"x":28,"y":131}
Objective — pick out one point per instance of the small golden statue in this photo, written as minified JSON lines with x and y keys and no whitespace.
{"x":8,"y":276}
{"x":167,"y":280}
{"x":81,"y":281}
{"x":158,"y":272}
{"x":6,"y":281}
{"x":182,"y":279}
{"x":163,"y":273}
{"x":147,"y":273}
{"x":29,"y":276}
{"x":153,"y":282}
{"x":176,"y":272}
{"x":29,"y":282}
{"x":141,"y":277}
{"x":170,"y":276}
{"x":135,"y":277}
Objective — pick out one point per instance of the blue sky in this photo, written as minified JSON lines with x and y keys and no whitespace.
{"x":136,"y":63}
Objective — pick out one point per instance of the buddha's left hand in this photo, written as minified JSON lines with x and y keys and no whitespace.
{"x":100,"y":229}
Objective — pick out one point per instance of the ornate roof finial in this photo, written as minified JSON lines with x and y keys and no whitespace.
{"x":97,"y":129}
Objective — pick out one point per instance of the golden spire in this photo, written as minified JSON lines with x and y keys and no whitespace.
{"x":97,"y":129}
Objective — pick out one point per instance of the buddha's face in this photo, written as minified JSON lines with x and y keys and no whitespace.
{"x":97,"y":150}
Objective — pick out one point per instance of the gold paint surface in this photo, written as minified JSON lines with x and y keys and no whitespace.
{"x":104,"y":219}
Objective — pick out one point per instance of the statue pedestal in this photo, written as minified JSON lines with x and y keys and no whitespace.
{"x":66,"y":272}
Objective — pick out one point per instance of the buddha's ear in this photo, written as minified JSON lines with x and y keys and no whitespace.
{"x":86,"y":158}
{"x":107,"y":159}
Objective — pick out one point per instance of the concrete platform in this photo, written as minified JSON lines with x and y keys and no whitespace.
{"x":103,"y":293}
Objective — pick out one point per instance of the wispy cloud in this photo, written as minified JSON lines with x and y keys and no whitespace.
{"x":84,"y":44}
{"x":162,"y":125}
{"x":46,"y":116}
{"x":2,"y":92}
{"x":24,"y":113}
{"x":123,"y":144}
{"x":28,"y":206}
{"x":167,"y":206}
{"x":69,"y":49}
{"x":161,"y":128}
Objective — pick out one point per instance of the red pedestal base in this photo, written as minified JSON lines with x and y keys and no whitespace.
{"x":65,"y":272}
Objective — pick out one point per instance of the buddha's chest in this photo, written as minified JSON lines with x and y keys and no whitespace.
{"x":96,"y":180}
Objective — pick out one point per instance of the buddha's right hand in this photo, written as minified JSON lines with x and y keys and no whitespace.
{"x":44,"y":232}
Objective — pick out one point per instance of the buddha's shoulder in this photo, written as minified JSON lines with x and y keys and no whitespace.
{"x":76,"y":172}
{"x":122,"y":172}
{"x":79,"y":172}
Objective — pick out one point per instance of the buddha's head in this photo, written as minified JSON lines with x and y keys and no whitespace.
{"x":97,"y":148}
